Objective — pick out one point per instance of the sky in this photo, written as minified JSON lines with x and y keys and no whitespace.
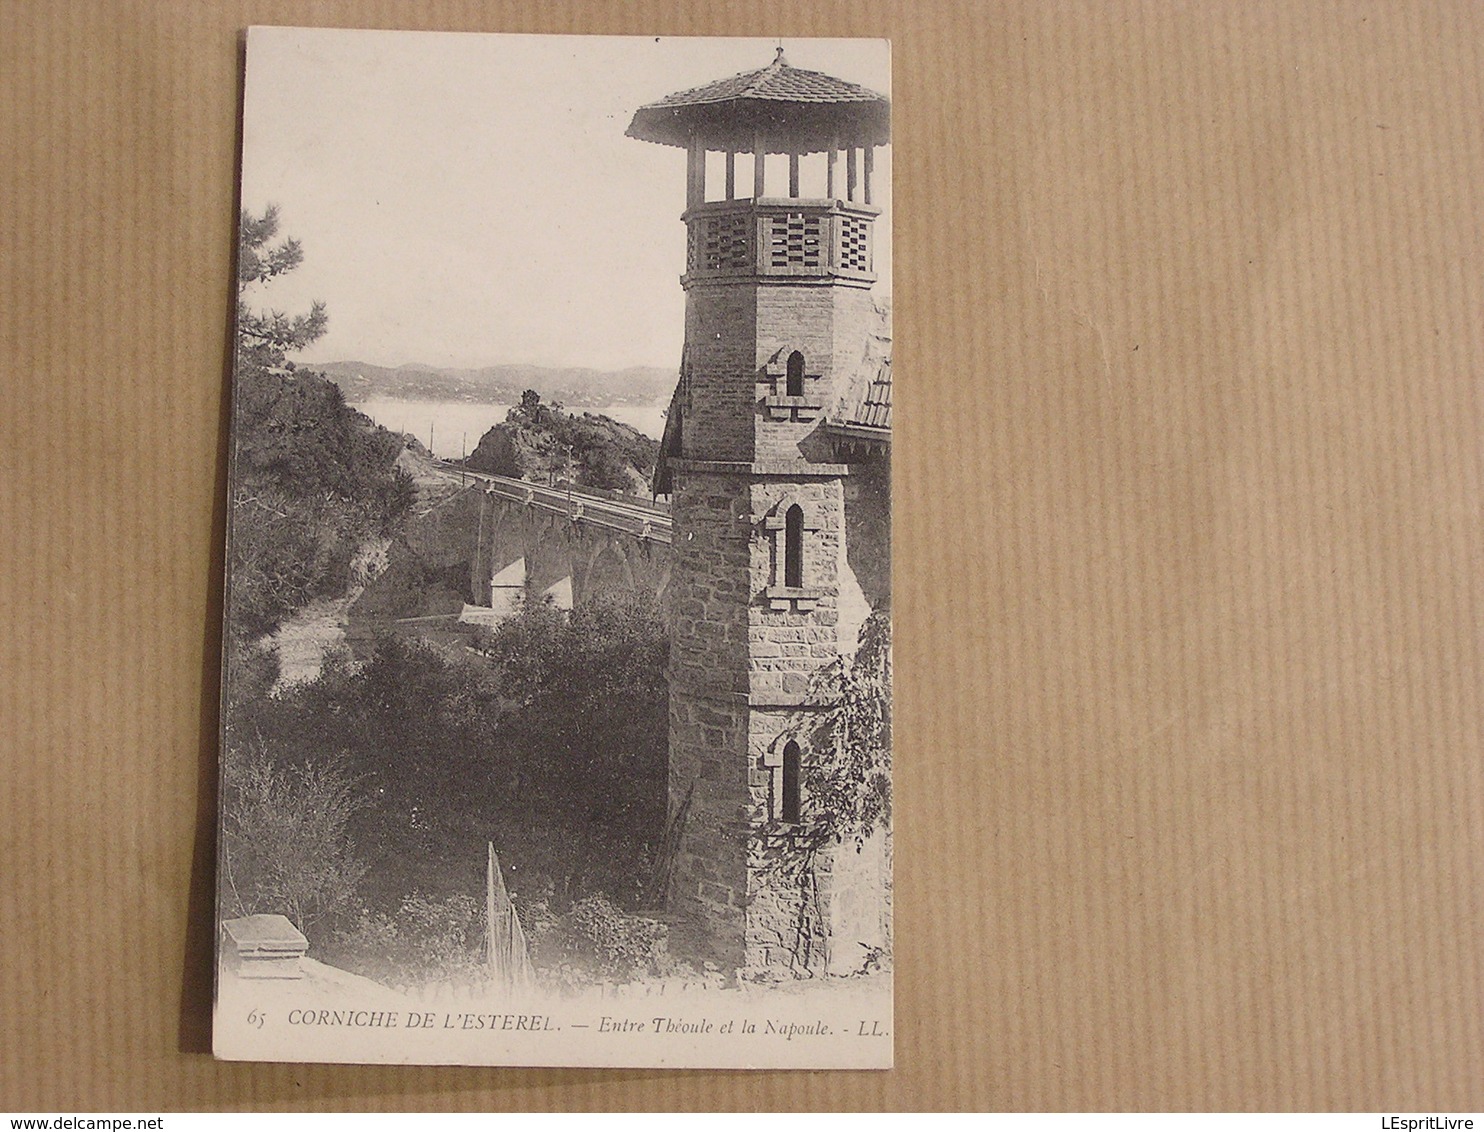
{"x":468,"y":200}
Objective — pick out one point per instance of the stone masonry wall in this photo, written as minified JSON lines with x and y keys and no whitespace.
{"x":829,"y":326}
{"x":708,"y":599}
{"x":854,"y":884}
{"x":720,"y":348}
{"x":790,"y":653}
{"x":856,"y":320}
{"x":782,"y":932}
{"x":787,"y":647}
{"x":745,"y":677}
{"x":793,"y":318}
{"x":738,"y":339}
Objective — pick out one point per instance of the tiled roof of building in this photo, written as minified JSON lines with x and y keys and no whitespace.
{"x":792,"y":107}
{"x":777,"y":81}
{"x":872,"y":407}
{"x":863,"y":410}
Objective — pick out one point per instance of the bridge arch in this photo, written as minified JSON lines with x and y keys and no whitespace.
{"x":567,"y":544}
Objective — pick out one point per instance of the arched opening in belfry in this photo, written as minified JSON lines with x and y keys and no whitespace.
{"x":793,"y":547}
{"x":795,"y":379}
{"x":792,"y":793}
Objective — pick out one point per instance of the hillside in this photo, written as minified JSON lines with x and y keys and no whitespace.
{"x":639,"y":385}
{"x":314,"y":481}
{"x":541,"y":442}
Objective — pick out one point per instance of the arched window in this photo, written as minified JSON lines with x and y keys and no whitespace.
{"x":789,"y":811}
{"x":793,"y":547}
{"x":795,"y":381}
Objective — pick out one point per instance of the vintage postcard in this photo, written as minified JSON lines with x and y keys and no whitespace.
{"x":556,"y":720}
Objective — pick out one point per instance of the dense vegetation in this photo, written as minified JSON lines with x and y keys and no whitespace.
{"x":313,"y":479}
{"x":847,"y":781}
{"x":542,"y":442}
{"x":551,"y":744}
{"x":359,"y":804}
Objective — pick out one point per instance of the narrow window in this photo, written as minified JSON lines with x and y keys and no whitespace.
{"x":791,"y":760}
{"x":793,"y":547}
{"x":795,"y":385}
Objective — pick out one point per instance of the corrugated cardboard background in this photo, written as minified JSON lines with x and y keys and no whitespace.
{"x":1190,"y":324}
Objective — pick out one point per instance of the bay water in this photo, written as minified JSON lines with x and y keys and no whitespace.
{"x":452,"y":428}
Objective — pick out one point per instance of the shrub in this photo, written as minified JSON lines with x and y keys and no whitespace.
{"x":285,"y":845}
{"x":428,"y":941}
{"x":595,"y":940}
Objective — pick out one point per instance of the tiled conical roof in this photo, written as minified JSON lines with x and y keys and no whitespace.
{"x":794,"y":109}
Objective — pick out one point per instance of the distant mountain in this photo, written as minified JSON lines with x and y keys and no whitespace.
{"x":500,"y":385}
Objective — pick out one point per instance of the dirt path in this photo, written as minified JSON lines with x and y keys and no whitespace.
{"x":304,"y":639}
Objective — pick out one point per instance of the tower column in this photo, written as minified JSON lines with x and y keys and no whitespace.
{"x":778,"y":310}
{"x":695,"y":182}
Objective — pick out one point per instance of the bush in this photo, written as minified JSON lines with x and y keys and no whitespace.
{"x":554,"y":749}
{"x":595,"y":940}
{"x":312,"y":478}
{"x":591,"y":708}
{"x":428,"y":941}
{"x":285,"y":845}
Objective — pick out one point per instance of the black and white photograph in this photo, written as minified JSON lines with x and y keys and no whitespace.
{"x":556,"y":707}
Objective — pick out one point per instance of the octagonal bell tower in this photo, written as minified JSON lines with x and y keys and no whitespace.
{"x":778,"y":304}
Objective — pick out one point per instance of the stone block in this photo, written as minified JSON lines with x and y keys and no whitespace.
{"x":265,"y":946}
{"x":713,"y":718}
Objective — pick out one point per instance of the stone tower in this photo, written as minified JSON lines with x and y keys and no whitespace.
{"x":762,"y":599}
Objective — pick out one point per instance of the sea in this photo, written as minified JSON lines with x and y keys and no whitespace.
{"x":451,"y":429}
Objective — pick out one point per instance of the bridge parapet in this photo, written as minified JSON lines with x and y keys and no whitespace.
{"x":638,"y":517}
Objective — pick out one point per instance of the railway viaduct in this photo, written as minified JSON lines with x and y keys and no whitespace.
{"x":563,"y":545}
